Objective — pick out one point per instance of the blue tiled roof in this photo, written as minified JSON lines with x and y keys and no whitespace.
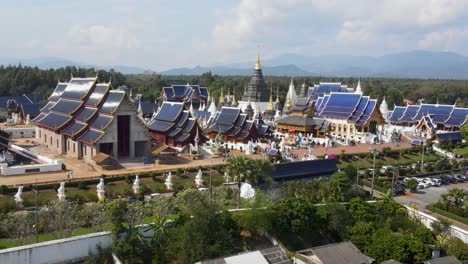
{"x":20,"y":100}
{"x":78,"y":88}
{"x":304,"y":169}
{"x":449,"y":136}
{"x":409,"y":114}
{"x":416,"y":142}
{"x":439,"y":113}
{"x":458,"y":117}
{"x":32,"y":110}
{"x":341,"y":105}
{"x":367,"y":112}
{"x":360,"y":109}
{"x":397,"y":113}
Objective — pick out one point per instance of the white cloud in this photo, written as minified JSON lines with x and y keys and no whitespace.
{"x":101,"y":37}
{"x":358,"y":23}
{"x":453,"y":39}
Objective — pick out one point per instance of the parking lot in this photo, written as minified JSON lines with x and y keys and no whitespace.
{"x":429,"y":195}
{"x":424,"y":197}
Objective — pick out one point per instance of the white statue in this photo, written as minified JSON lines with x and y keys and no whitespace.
{"x":61,"y":192}
{"x":246,"y":191}
{"x":249,"y":149}
{"x":18,"y":198}
{"x":136,"y":185}
{"x":168,"y":182}
{"x":28,"y":119}
{"x":199,"y":179}
{"x":273,"y":144}
{"x":100,"y":190}
{"x":227,"y":177}
{"x":281,"y":145}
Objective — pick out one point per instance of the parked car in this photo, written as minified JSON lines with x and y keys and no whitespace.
{"x":421,"y":185}
{"x":451,"y":178}
{"x":443,"y":179}
{"x":459,"y":178}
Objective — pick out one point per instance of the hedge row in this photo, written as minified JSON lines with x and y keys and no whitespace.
{"x":447,"y":214}
{"x":376,"y":187}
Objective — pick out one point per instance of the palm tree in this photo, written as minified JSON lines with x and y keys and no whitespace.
{"x":263,"y":170}
{"x":240,"y":168}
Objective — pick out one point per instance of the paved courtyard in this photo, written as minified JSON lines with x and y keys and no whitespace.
{"x":427,"y":196}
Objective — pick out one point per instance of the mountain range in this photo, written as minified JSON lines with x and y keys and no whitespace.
{"x":411,"y":64}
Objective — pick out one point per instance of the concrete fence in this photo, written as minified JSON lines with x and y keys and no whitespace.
{"x":427,"y":220}
{"x":57,"y":251}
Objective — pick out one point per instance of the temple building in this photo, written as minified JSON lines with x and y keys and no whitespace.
{"x":424,"y":116}
{"x":257,"y":91}
{"x":84,"y":117}
{"x":326,"y":88}
{"x":301,"y":119}
{"x":233,"y":126}
{"x":352,"y":116}
{"x":188,"y":94}
{"x":172,"y":125}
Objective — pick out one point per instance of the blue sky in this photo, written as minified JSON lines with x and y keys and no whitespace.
{"x":164,"y":34}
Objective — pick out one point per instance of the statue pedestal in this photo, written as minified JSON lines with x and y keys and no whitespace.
{"x":169,"y":185}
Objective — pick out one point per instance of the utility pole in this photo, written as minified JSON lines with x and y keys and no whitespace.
{"x":35,"y":213}
{"x":374,"y":151}
{"x":211,"y":189}
{"x":393,"y":180}
{"x":422,"y":158}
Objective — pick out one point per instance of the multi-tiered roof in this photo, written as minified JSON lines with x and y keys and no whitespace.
{"x":173,"y":125}
{"x":186,"y":93}
{"x":231,"y":123}
{"x":443,"y":115}
{"x":326,"y":88}
{"x":81,"y":109}
{"x":353,"y":107}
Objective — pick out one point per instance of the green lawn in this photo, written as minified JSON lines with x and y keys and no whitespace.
{"x":405,"y":160}
{"x":461,"y":151}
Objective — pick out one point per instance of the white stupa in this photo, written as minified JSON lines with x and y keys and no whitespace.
{"x":136,"y":185}
{"x":384,"y":109}
{"x":246,"y":191}
{"x":358,"y":87}
{"x":292,"y":92}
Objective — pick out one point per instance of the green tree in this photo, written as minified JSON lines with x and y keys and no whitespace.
{"x":464,"y":131}
{"x":412,"y":184}
{"x":340,"y":185}
{"x":241,"y":168}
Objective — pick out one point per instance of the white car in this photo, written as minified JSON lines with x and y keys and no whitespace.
{"x":424,"y":183}
{"x":421,"y":186}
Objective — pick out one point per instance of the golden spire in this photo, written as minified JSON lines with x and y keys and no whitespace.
{"x":221,"y":96}
{"x":277,"y":95}
{"x":229,"y":96}
{"x":270,"y":103}
{"x":258,"y":65}
{"x":258,"y":104}
{"x":234,"y":102}
{"x":288,"y":102}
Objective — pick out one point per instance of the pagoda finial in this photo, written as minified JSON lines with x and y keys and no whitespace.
{"x":221,"y":96}
{"x":71,"y":74}
{"x":270,"y":103}
{"x":234,"y":102}
{"x":258,"y":65}
{"x":110,"y":79}
{"x":277,"y":95}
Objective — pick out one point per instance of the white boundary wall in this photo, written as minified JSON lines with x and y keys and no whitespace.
{"x":57,"y":251}
{"x":46,"y":165}
{"x":427,"y":220}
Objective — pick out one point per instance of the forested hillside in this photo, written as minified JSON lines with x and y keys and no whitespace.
{"x":16,"y":80}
